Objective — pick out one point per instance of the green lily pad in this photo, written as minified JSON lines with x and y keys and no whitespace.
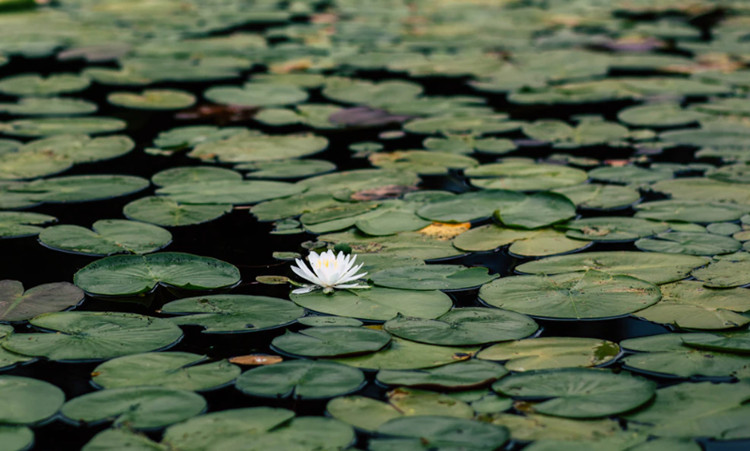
{"x":257,"y":95}
{"x":81,"y":148}
{"x":664,"y":115}
{"x":81,"y":188}
{"x":36,"y":85}
{"x":706,"y":410}
{"x":732,"y":342}
{"x":109,"y":236}
{"x":173,"y":370}
{"x":377,"y":303}
{"x":121,"y":438}
{"x":48,"y":106}
{"x":250,"y":147}
{"x":667,"y":355}
{"x":524,"y":176}
{"x":194,"y":174}
{"x":336,"y":341}
{"x":464,"y":326}
{"x":600,"y":197}
{"x":228,"y":192}
{"x":204,"y":431}
{"x":27,"y":400}
{"x":421,"y":161}
{"x":121,"y":275}
{"x":537,"y":210}
{"x":690,"y":243}
{"x":650,"y":266}
{"x":152,"y":99}
{"x":466,"y":375}
{"x":432,"y":277}
{"x":138,"y":407}
{"x":615,"y":228}
{"x":543,"y":427}
{"x":724,"y":273}
{"x":630,"y":175}
{"x":588,"y":133}
{"x":20,"y":224}
{"x":470,"y":206}
{"x":474,"y":124}
{"x":363,"y":92}
{"x":16,"y":438}
{"x":578,"y":393}
{"x":552,"y":353}
{"x":225,"y":313}
{"x":287,"y":169}
{"x":62,"y":126}
{"x":9,"y":359}
{"x":688,"y":304}
{"x":593,"y":294}
{"x":526,"y":243}
{"x":18,"y":305}
{"x":407,"y":355}
{"x":163,"y":211}
{"x":301,"y":379}
{"x":358,"y":181}
{"x":93,"y":335}
{"x":704,"y":190}
{"x":690,"y":211}
{"x":445,"y":432}
{"x":30,"y":165}
{"x":324,"y":321}
{"x":312,"y":115}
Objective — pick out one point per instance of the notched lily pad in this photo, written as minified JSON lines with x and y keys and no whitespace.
{"x":107,"y":237}
{"x":334,"y":341}
{"x":432,"y":277}
{"x":18,"y":305}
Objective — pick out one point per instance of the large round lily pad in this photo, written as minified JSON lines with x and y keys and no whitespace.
{"x":225,"y":313}
{"x":138,"y":407}
{"x":526,"y":243}
{"x":614,"y":228}
{"x":578,"y":393}
{"x":107,"y":237}
{"x":63,"y":125}
{"x":175,"y":370}
{"x":228,"y":192}
{"x":36,"y":85}
{"x":335,"y":341}
{"x":27,"y":400}
{"x":524,"y":176}
{"x":302,"y":379}
{"x":152,"y":99}
{"x":464,"y":326}
{"x":650,"y":266}
{"x":445,"y":432}
{"x":93,"y":335}
{"x":20,"y":224}
{"x":593,"y":294}
{"x":432,"y":277}
{"x":408,"y":355}
{"x":121,"y":275}
{"x":459,"y":376}
{"x":18,"y":305}
{"x":81,"y":188}
{"x":164,"y":211}
{"x":257,"y":95}
{"x":376,"y":303}
{"x":690,"y":243}
{"x":552,"y":353}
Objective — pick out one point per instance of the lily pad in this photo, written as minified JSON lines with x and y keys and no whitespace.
{"x":466,"y":375}
{"x":152,"y":99}
{"x":432,"y":277}
{"x":62,"y":126}
{"x":121,"y":438}
{"x":650,"y":266}
{"x":21,"y":224}
{"x":600,"y":197}
{"x":552,"y":353}
{"x":688,"y":304}
{"x":524,"y":176}
{"x":578,"y":393}
{"x":407,"y":355}
{"x":421,"y":161}
{"x":27,"y":400}
{"x":253,"y":147}
{"x":228,"y":192}
{"x":16,"y":438}
{"x":470,"y":206}
{"x":379,"y":304}
{"x":690,"y":211}
{"x":537,"y":210}
{"x":724,"y":273}
{"x":36,"y":85}
{"x":526,"y":243}
{"x":615,"y":228}
{"x":464,"y":326}
{"x":194,"y":174}
{"x":444,"y":432}
{"x":173,"y":370}
{"x":690,"y":243}
{"x":18,"y":305}
{"x":48,"y":106}
{"x":121,"y":275}
{"x":163,"y":211}
{"x":81,"y":148}
{"x":301,"y":379}
{"x":543,"y":427}
{"x":138,"y":407}
{"x":81,"y":188}
{"x":287,"y":169}
{"x":337,"y":341}
{"x":109,"y":236}
{"x":593,"y":294}
{"x":93,"y":335}
{"x":257,"y":95}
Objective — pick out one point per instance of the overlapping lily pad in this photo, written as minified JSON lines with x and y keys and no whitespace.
{"x":552,"y":353}
{"x":301,"y":379}
{"x":335,"y":341}
{"x":107,"y":237}
{"x":17,"y":304}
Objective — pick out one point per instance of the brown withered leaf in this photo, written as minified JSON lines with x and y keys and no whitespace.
{"x":256,"y":359}
{"x":382,"y":192}
{"x":443,"y":231}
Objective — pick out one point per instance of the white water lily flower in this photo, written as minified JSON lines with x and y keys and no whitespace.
{"x":329,"y":272}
